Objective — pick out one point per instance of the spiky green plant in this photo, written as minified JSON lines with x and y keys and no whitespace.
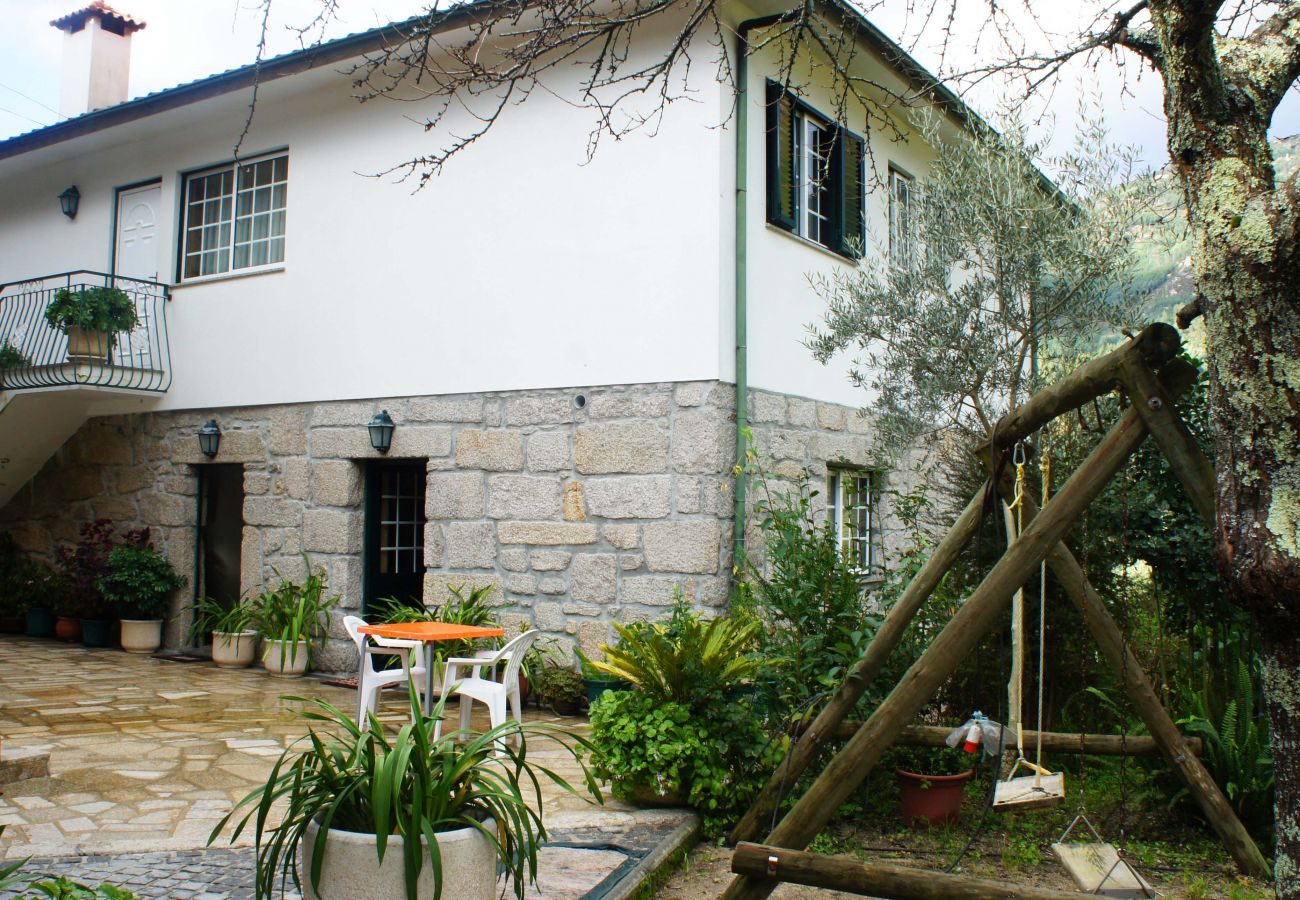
{"x":411,"y":785}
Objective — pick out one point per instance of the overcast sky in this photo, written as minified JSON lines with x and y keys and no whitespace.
{"x":189,"y":39}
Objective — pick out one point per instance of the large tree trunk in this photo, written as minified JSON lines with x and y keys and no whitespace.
{"x":1247,"y":275}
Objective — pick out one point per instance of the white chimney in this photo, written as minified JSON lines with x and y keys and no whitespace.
{"x":96,"y":58}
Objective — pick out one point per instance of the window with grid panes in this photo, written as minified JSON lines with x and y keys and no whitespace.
{"x":901,"y":248}
{"x":401,"y":522}
{"x":235,"y":217}
{"x":853,"y":499}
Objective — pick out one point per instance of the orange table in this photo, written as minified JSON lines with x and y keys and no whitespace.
{"x":428,"y":633}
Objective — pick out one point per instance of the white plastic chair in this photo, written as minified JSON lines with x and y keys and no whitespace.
{"x":371,"y":681}
{"x":475,"y":686}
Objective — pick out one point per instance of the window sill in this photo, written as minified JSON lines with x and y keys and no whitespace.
{"x":813,"y":245}
{"x":226,"y":276}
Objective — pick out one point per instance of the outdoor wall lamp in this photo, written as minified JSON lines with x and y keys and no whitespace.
{"x":210,"y":438}
{"x":381,"y":431}
{"x":69,"y":200}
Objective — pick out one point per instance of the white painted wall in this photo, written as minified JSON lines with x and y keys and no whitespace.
{"x":522,"y":266}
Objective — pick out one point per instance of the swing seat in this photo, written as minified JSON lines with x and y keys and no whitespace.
{"x":1097,"y":868}
{"x":1036,"y":791}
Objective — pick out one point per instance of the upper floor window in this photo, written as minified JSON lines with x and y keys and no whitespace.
{"x":901,"y":248}
{"x":234,"y":217}
{"x":814,"y":174}
{"x":853,"y":497}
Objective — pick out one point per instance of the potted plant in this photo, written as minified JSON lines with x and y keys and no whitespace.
{"x":11,"y":358}
{"x":596,"y":682}
{"x":42,"y":585}
{"x":83,"y":606}
{"x":411,"y":815}
{"x":137,"y":585}
{"x":290,"y":617}
{"x":233,"y":629}
{"x":560,"y":688}
{"x":14,"y":569}
{"x":935,"y":797}
{"x":91,"y":317}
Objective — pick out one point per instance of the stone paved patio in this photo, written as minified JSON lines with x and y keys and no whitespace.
{"x":147,"y":755}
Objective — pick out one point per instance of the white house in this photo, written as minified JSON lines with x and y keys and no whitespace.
{"x":555,"y":342}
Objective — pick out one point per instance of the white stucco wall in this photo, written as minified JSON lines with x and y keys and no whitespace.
{"x":522,"y":266}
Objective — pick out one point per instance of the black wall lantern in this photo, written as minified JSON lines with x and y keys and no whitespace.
{"x":381,"y":431}
{"x":69,"y":200}
{"x":210,"y":438}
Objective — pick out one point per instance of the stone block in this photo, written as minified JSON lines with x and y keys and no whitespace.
{"x":595,"y":577}
{"x":858,"y":422}
{"x":575,"y":506}
{"x":434,"y":545}
{"x":592,"y":636}
{"x":550,"y":560}
{"x":471,"y":545}
{"x":345,"y":575}
{"x":548,"y":451}
{"x":32,"y":537}
{"x":841,"y":448}
{"x":830,"y":417}
{"x":288,"y":430}
{"x":331,"y":531}
{"x":713,"y":592}
{"x":544,"y":409}
{"x":409,"y":442}
{"x":628,"y":404}
{"x":446,"y":409}
{"x":783,"y":444}
{"x":693,"y":393}
{"x":454,"y":495}
{"x":636,"y":448}
{"x":630,"y":562}
{"x":237,"y":446}
{"x":438,"y":585}
{"x":250,"y":562}
{"x":655,"y":590}
{"x":521,"y":584}
{"x":801,"y":413}
{"x":524,"y":497}
{"x":623,"y":537}
{"x":765,"y":407}
{"x":117,"y":509}
{"x":274,"y":511}
{"x":688,"y":546}
{"x":549,"y":616}
{"x":630,"y":497}
{"x":184,"y":485}
{"x":513,"y":559}
{"x":546,"y":533}
{"x":169,"y":510}
{"x":702,"y":443}
{"x":256,"y":482}
{"x":296,"y":478}
{"x":551,"y":584}
{"x":80,"y":483}
{"x":491,"y":451}
{"x":346,"y":413}
{"x":102,"y":444}
{"x":336,"y":482}
{"x":135,"y":478}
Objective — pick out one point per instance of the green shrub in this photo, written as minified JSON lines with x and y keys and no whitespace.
{"x":138,"y":582}
{"x":92,"y":308}
{"x":12,"y":358}
{"x":64,"y":888}
{"x":292,"y":611}
{"x":211,"y":616}
{"x":558,"y":687}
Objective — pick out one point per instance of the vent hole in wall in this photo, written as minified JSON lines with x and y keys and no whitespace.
{"x":579,"y":401}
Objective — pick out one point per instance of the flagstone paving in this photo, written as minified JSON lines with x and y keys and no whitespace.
{"x":147,"y":755}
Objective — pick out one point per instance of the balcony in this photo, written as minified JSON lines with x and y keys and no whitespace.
{"x":34,"y":354}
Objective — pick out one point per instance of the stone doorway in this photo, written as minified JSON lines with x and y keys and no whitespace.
{"x":394,"y":534}
{"x":221,"y":530}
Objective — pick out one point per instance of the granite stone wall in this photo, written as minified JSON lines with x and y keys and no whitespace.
{"x":576,"y":507}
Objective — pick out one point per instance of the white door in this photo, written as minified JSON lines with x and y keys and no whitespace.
{"x":137,"y":252}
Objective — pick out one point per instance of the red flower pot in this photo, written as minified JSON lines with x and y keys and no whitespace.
{"x":931,"y":799}
{"x":67,"y":628}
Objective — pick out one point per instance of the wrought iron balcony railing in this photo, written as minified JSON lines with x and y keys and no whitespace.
{"x":34,"y":353}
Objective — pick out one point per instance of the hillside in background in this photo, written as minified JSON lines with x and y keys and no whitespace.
{"x":1164,"y":268}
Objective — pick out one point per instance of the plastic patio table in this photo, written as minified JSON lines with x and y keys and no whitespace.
{"x":428,"y":633}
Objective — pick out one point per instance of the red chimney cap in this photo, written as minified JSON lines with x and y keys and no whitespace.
{"x":109,"y":19}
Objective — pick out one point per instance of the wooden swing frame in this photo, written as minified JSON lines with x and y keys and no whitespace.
{"x":1148,"y":368}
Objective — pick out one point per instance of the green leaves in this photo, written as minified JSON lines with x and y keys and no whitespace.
{"x":93,"y":308}
{"x":296,"y":612}
{"x":411,"y":786}
{"x":138,"y":581}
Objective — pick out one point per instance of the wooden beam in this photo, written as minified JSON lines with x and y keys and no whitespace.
{"x":1053,"y":741}
{"x":975,"y":618}
{"x":877,"y":879}
{"x":758,"y":820}
{"x":1155,"y":345}
{"x":1191,"y":466}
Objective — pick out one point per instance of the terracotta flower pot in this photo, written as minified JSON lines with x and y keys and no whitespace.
{"x":66,"y":628}
{"x":931,"y":799}
{"x":91,"y":347}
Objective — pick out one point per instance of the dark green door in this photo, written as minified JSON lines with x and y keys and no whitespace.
{"x":394,"y":539}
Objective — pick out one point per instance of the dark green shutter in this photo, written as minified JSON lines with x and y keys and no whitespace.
{"x":780,"y":156}
{"x":849,"y":199}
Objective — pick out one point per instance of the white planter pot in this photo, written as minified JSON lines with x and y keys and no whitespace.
{"x":141,"y":635}
{"x":234,"y":649}
{"x":351,"y":871}
{"x":285,"y":659}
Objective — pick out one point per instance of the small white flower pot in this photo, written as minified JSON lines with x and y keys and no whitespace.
{"x":234,"y":649}
{"x":141,"y":635}
{"x":350,"y":869}
{"x":285,"y":659}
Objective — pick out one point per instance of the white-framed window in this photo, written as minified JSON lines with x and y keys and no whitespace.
{"x":235,"y":217}
{"x":814,"y":141}
{"x":900,"y":216}
{"x":854,"y":496}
